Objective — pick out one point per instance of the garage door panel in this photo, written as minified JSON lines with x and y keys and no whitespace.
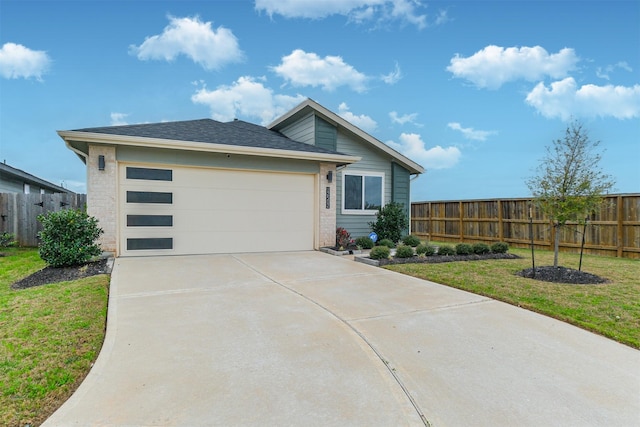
{"x":220,"y":211}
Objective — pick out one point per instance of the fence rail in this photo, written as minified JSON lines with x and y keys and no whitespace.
{"x":19,"y":212}
{"x":613,"y":231}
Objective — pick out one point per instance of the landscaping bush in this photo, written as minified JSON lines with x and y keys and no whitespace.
{"x":426,"y":250}
{"x":68,"y":238}
{"x":387,"y":242}
{"x":480,"y":248}
{"x":499,"y":248}
{"x":404,"y":251}
{"x":7,"y":240}
{"x":446,"y":250}
{"x":343,"y":238}
{"x":380,"y":252}
{"x":411,"y":240}
{"x":365,"y":242}
{"x":463,"y":249}
{"x":391,"y":222}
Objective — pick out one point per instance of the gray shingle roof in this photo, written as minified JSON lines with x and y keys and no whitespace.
{"x":237,"y":132}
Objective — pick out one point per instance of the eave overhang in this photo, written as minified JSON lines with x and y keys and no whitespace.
{"x":86,"y":138}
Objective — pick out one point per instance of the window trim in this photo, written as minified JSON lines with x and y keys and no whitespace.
{"x":362,"y":174}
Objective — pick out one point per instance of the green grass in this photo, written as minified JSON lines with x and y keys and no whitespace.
{"x":611,"y":309}
{"x":50,"y":336}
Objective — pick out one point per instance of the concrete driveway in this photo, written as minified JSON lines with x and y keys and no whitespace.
{"x":309,"y":339}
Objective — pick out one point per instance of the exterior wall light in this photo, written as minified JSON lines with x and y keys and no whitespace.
{"x":330,"y":176}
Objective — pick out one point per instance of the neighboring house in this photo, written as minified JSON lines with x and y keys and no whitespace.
{"x":202,"y":186}
{"x":14,"y":180}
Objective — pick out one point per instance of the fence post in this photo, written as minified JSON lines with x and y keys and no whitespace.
{"x":500,"y":232}
{"x":461,"y":214}
{"x":620,"y":227}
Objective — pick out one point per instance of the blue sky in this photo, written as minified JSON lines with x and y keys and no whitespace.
{"x":471,"y":90}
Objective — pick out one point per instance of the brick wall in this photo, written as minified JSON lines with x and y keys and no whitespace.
{"x":327,"y":216}
{"x":102,"y":193}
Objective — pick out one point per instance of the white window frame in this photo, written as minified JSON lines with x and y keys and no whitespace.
{"x":362,"y":174}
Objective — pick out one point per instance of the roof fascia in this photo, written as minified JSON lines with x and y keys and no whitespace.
{"x":335,"y":119}
{"x":136,"y":141}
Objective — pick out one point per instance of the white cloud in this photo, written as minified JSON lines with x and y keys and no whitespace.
{"x":18,"y":61}
{"x":118,"y":119}
{"x":404,"y":119}
{"x":247,"y":97}
{"x":564,"y":99}
{"x":362,"y":121}
{"x":210,"y":48}
{"x":471,"y":133}
{"x":393,"y":77}
{"x":308,"y":69}
{"x":493,"y":66}
{"x":603,"y":73}
{"x":412,"y":146}
{"x":359,"y":11}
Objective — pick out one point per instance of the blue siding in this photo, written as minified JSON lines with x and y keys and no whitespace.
{"x":326,"y":135}
{"x":400,"y":191}
{"x":302,"y":131}
{"x":216,"y":160}
{"x":372,"y":161}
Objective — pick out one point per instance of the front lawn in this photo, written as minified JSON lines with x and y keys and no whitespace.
{"x":611,"y":309}
{"x":50,"y":335}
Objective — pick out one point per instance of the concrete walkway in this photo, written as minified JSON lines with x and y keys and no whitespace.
{"x":311,"y":339}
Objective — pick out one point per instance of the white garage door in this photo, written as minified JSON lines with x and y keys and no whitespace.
{"x":180,"y":211}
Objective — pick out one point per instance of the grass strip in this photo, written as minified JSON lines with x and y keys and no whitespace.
{"x":50,"y":336}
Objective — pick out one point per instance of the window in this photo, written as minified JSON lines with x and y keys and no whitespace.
{"x":27,"y":188}
{"x":362,"y":192}
{"x":150,"y":174}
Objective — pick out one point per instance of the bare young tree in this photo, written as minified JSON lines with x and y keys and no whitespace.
{"x":570,"y":184}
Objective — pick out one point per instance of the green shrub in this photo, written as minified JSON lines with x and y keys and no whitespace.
{"x":411,"y":240}
{"x":380,"y":252}
{"x":499,"y":248}
{"x":446,"y":250}
{"x":387,"y":242}
{"x":365,"y":242}
{"x":7,"y":240}
{"x":426,"y":250}
{"x":463,"y":249}
{"x":68,"y":238}
{"x":480,"y":248}
{"x":404,"y":251}
{"x":391,"y":222}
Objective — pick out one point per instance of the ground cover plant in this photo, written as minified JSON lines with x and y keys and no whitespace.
{"x":50,"y":337}
{"x":611,"y":309}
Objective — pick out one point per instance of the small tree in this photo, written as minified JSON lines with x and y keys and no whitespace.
{"x":570,"y":184}
{"x":68,"y":238}
{"x":391,"y":222}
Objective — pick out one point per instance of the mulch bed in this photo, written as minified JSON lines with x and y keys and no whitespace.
{"x":544,"y":273}
{"x":562,"y":275}
{"x":434,"y":259}
{"x":62,"y":274}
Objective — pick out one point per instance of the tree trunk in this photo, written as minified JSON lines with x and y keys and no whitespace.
{"x":556,"y":246}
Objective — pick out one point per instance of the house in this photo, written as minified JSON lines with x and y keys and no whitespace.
{"x":202,"y":186}
{"x":14,"y":180}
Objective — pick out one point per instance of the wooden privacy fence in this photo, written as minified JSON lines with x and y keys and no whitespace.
{"x":19,"y":212}
{"x":614,"y":230}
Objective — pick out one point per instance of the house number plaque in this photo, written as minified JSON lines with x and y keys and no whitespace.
{"x":328,"y":200}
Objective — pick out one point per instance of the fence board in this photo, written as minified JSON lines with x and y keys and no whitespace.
{"x":19,"y":212}
{"x":613,"y":230}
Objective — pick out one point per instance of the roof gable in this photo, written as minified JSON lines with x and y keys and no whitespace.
{"x":309,"y":105}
